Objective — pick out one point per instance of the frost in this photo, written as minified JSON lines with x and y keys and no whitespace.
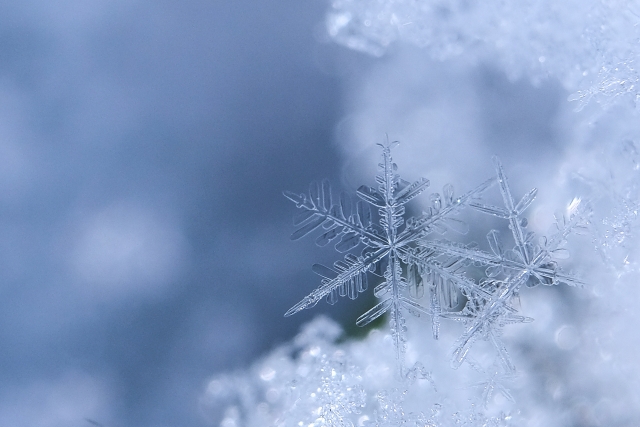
{"x":309,"y":382}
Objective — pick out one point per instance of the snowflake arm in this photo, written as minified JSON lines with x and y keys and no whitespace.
{"x":319,"y":209}
{"x":444,"y":282}
{"x":514,"y":211}
{"x":499,"y":262}
{"x":350,"y":273}
{"x":438,"y":218}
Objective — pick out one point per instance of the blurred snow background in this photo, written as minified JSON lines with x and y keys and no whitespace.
{"x":144,"y":147}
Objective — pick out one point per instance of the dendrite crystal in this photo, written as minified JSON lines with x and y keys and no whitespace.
{"x":405,"y":254}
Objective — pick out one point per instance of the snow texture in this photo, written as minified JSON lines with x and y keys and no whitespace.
{"x":595,"y":54}
{"x":316,"y":382}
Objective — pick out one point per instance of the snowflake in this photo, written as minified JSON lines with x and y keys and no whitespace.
{"x":388,"y":245}
{"x":532,"y":261}
{"x":393,"y":246}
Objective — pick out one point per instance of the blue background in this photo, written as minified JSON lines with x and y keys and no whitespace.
{"x":144,"y":147}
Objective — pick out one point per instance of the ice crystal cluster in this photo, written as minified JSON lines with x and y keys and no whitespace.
{"x":595,"y":54}
{"x":435,"y":268}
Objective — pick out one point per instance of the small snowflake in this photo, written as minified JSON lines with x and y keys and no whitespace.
{"x":532,"y":261}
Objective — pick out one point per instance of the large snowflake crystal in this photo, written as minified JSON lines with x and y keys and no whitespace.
{"x":387,"y":245}
{"x":414,"y":265}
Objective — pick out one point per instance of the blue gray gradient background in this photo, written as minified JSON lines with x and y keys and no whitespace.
{"x":144,"y":147}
